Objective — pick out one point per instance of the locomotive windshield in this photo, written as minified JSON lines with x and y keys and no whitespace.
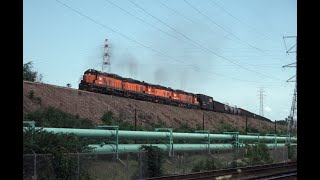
{"x":91,"y":72}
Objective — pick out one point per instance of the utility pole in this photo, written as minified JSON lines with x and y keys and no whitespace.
{"x":203,"y":121}
{"x":290,"y":119}
{"x":135,"y":122}
{"x":246,"y":124}
{"x":106,"y":58}
{"x":135,"y":119}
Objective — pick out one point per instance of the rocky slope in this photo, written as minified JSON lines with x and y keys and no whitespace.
{"x":93,"y":106}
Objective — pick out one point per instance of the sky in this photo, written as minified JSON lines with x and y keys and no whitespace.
{"x":226,"y":49}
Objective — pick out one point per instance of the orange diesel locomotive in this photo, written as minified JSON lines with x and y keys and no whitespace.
{"x":113,"y":84}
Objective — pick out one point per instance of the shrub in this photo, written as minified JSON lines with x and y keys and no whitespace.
{"x":154,"y":160}
{"x":207,"y":165}
{"x":292,"y":152}
{"x":43,"y":142}
{"x":31,"y":94}
{"x":258,"y":154}
{"x":107,"y":118}
{"x":225,"y":127}
{"x":53,"y":117}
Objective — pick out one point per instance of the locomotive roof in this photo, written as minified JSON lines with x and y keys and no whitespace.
{"x":91,"y":71}
{"x":111,"y":75}
{"x":203,"y":95}
{"x":160,"y":87}
{"x":183,"y":92}
{"x":103,"y":73}
{"x":133,"y":81}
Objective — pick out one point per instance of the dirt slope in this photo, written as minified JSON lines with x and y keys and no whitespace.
{"x":93,"y":106}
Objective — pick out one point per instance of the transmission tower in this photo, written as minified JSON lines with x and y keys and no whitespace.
{"x":261,"y":101}
{"x":291,"y":120}
{"x":106,"y":57}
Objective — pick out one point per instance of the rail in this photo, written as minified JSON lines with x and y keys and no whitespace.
{"x":269,"y":171}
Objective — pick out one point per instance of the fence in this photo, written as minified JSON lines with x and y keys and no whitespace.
{"x":128,"y":166}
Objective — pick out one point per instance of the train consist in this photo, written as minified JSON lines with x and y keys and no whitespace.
{"x":112,"y":84}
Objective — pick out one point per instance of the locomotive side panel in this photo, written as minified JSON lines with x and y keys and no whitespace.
{"x":246,"y":113}
{"x":206,"y":102}
{"x":218,"y":106}
{"x":128,"y":86}
{"x":188,"y":98}
{"x":108,"y":82}
{"x":159,"y":92}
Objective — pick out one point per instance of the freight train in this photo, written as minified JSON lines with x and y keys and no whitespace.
{"x":112,"y":84}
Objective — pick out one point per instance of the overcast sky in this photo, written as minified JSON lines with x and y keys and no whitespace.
{"x":227,"y":49}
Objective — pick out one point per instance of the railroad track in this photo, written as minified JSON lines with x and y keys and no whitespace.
{"x":269,"y":171}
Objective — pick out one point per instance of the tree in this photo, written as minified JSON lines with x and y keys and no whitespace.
{"x":38,"y":141}
{"x":69,"y":85}
{"x":29,"y":74}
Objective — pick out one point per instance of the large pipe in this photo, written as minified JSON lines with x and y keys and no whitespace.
{"x":96,"y":133}
{"x":177,"y":147}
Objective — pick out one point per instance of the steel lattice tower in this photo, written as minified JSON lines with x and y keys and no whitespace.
{"x":291,"y":121}
{"x":261,"y":102}
{"x":106,"y":58}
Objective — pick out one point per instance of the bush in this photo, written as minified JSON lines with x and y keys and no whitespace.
{"x":225,"y":127}
{"x":184,"y":127}
{"x":252,"y":129}
{"x":154,"y":160}
{"x":31,"y":94}
{"x":107,"y":118}
{"x":292,"y":152}
{"x":53,"y":117}
{"x":33,"y":97}
{"x":207,"y":165}
{"x":43,"y":142}
{"x":198,"y":167}
{"x":258,"y":154}
{"x":29,"y":74}
{"x":238,"y":163}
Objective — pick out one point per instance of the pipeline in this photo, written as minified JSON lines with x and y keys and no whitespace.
{"x":99,"y":133}
{"x":166,"y":147}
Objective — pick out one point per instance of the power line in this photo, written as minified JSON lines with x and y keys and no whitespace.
{"x":221,"y":7}
{"x":165,"y":24}
{"x":221,"y":26}
{"x":117,"y":32}
{"x":231,"y":61}
{"x":185,"y":17}
{"x":206,"y":28}
{"x":262,"y":51}
{"x":126,"y":37}
{"x":148,"y":23}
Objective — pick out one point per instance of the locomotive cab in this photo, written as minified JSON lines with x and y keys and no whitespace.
{"x":88,"y":78}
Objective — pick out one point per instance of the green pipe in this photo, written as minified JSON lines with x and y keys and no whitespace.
{"x":96,"y":133}
{"x":177,"y":147}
